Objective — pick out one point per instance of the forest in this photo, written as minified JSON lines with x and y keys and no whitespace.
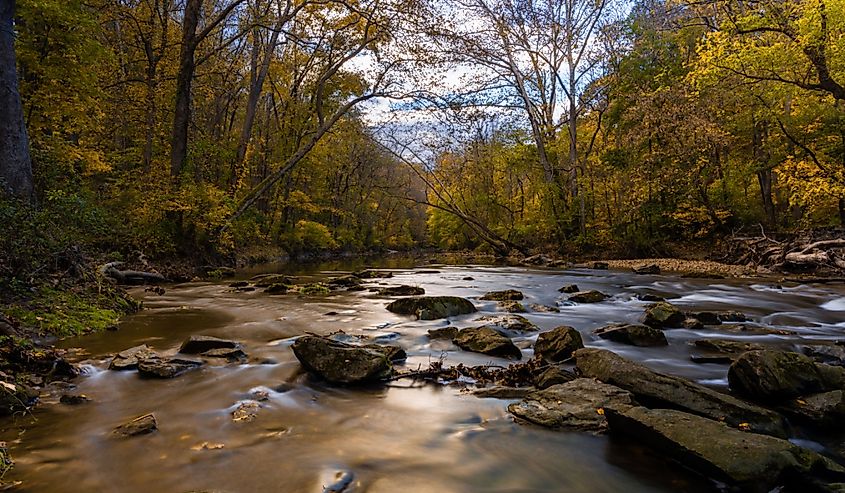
{"x":202,"y":128}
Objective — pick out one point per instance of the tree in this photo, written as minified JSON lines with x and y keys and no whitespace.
{"x":15,"y":161}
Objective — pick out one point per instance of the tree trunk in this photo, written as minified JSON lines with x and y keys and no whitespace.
{"x":15,"y":162}
{"x":764,"y":171}
{"x":187,"y":65}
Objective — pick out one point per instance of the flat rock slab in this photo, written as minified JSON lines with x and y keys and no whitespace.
{"x":138,"y":426}
{"x":578,"y":404}
{"x":486,"y":340}
{"x":825,"y":410}
{"x":200,"y":344}
{"x":166,"y":367}
{"x":432,"y":307}
{"x":748,"y":460}
{"x":633,"y":334}
{"x":128,"y":358}
{"x":338,"y":362}
{"x":660,"y":390}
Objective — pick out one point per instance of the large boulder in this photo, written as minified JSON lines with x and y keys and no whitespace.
{"x":578,"y":404}
{"x":633,"y":334}
{"x":128,"y":358}
{"x":591,"y":296}
{"x":663,"y":315}
{"x":338,"y":362}
{"x":486,"y":340}
{"x":660,"y":390}
{"x":752,"y":462}
{"x":558,"y":344}
{"x":772,"y":376}
{"x":432,"y":307}
{"x":507,"y":295}
{"x":200,"y":344}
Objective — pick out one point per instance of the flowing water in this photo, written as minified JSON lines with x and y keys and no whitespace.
{"x":309,"y":436}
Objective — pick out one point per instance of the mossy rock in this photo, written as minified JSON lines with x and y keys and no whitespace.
{"x":432,"y":307}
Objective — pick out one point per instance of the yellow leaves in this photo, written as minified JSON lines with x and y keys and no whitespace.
{"x":744,"y":426}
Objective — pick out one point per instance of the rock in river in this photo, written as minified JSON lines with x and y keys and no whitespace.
{"x":201,"y":344}
{"x":128,"y":359}
{"x":591,"y":296}
{"x":486,"y":340}
{"x":507,"y":295}
{"x":663,"y":315}
{"x":403,"y":290}
{"x":138,"y":426}
{"x":749,"y":461}
{"x":509,"y":325}
{"x":569,"y":288}
{"x":512,"y":306}
{"x":633,"y":334}
{"x":660,"y":390}
{"x":578,"y":404}
{"x":646,"y":269}
{"x":825,"y":410}
{"x":443,"y":333}
{"x":558,"y":344}
{"x":432,"y":307}
{"x":771,"y":376}
{"x":339,"y":362}
{"x":166,"y":367}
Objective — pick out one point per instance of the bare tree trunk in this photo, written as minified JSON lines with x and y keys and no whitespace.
{"x":15,"y":162}
{"x":764,"y":171}
{"x":187,"y":66}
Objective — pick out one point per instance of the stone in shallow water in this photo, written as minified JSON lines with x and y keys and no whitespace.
{"x":500,"y":392}
{"x":558,"y":344}
{"x":444,"y":333}
{"x":339,"y":362}
{"x":633,"y":334}
{"x":138,"y":426}
{"x":508,"y":325}
{"x":661,"y":390}
{"x":569,"y":288}
{"x":507,"y":295}
{"x":432,"y":307}
{"x":166,"y":367}
{"x":544,"y":308}
{"x":128,"y":358}
{"x":512,"y":306}
{"x":663,"y":315}
{"x":578,"y":404}
{"x":199,"y":344}
{"x":591,"y":296}
{"x":246,"y":411}
{"x":750,"y":461}
{"x":403,"y":290}
{"x":485,"y":340}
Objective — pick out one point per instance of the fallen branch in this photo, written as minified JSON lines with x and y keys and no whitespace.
{"x":132,"y":277}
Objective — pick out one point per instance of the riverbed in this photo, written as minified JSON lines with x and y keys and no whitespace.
{"x":411,"y":438}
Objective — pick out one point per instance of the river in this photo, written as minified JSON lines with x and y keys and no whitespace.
{"x":393,"y":439}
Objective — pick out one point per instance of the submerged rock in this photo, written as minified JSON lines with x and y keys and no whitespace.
{"x":591,"y":296}
{"x":578,"y":404}
{"x":727,"y":346}
{"x":650,"y":297}
{"x":661,"y":390}
{"x":199,"y":344}
{"x":486,"y":340}
{"x":74,"y":399}
{"x":569,"y":288}
{"x":432,"y":307}
{"x":633,"y":334}
{"x":401,"y":291}
{"x":507,"y":295}
{"x":771,"y":376}
{"x":338,"y":362}
{"x":128,"y":358}
{"x":166,"y":367}
{"x":138,"y":426}
{"x":662,"y":315}
{"x":558,"y":344}
{"x":246,"y":411}
{"x":749,"y":461}
{"x":231,"y":354}
{"x":512,"y":306}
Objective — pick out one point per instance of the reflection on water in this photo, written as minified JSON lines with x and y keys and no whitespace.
{"x":308,"y":435}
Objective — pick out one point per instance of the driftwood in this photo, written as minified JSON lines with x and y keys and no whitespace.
{"x":813,"y":251}
{"x":131,"y":277}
